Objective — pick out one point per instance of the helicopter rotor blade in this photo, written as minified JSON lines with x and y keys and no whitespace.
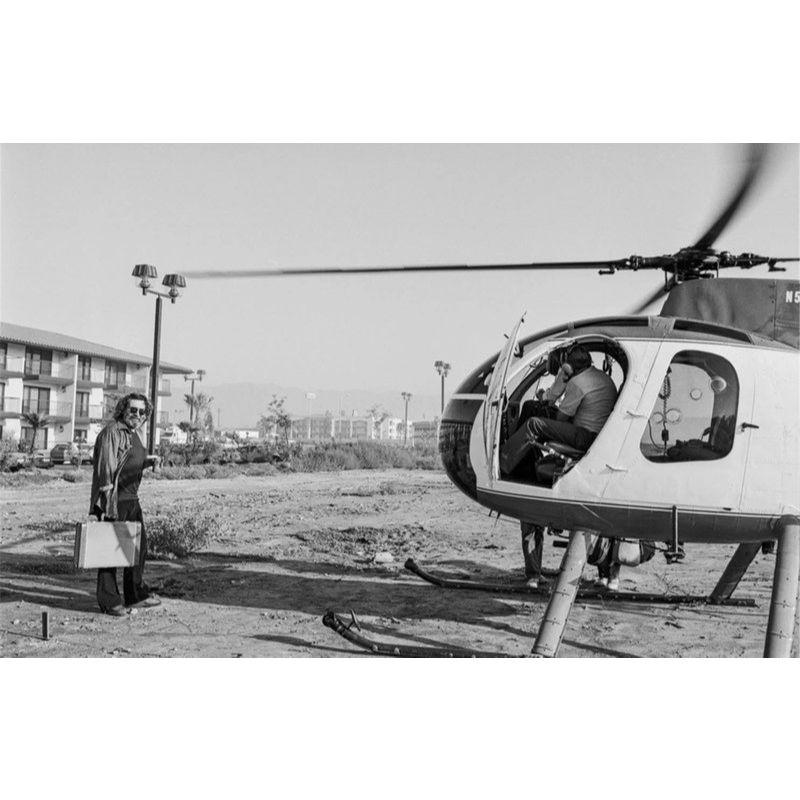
{"x":756,"y":155}
{"x":651,"y":298}
{"x":274,"y":273}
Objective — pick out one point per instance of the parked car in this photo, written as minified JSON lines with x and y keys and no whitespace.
{"x":71,"y":453}
{"x":41,"y":459}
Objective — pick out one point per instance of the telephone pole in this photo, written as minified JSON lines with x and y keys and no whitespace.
{"x":406,"y":397}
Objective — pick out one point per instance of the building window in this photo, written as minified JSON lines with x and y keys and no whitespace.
{"x":35,"y":400}
{"x":113,"y":371}
{"x":81,"y":435}
{"x":3,"y":354}
{"x":82,"y":404}
{"x":38,"y":362}
{"x":41,"y":437}
{"x":84,"y":368}
{"x":694,"y":418}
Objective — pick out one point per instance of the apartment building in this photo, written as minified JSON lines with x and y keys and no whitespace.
{"x":73,"y":383}
{"x":324,"y":427}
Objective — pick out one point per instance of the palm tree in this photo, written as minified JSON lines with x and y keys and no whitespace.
{"x":37,"y":421}
{"x":199,"y":408}
{"x":198,"y":404}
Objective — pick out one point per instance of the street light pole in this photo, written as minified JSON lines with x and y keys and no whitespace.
{"x":143,"y":273}
{"x":151,"y":430}
{"x":406,"y":397}
{"x":443,"y":368}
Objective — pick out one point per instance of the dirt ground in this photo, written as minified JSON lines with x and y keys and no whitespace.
{"x":297,"y":545}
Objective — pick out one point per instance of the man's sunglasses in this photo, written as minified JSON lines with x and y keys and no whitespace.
{"x":139,"y":412}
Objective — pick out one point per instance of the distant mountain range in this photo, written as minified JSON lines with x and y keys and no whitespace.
{"x":242,"y":404}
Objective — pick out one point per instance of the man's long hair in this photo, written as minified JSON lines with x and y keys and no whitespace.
{"x":122,"y":405}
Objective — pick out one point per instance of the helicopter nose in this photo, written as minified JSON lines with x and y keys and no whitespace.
{"x":454,"y":435}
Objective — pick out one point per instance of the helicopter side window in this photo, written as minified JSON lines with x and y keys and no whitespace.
{"x":694,"y":418}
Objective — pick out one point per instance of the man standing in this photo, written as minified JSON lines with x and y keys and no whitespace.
{"x":119,"y":461}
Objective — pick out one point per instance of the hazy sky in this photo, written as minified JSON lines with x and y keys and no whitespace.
{"x":75,"y":219}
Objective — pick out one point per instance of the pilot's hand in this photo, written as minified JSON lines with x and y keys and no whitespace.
{"x":566,"y":372}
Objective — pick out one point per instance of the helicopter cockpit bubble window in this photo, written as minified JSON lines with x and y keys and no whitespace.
{"x":694,"y":418}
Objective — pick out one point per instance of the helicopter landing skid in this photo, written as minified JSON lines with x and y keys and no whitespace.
{"x":345,"y":629}
{"x":604,"y":595}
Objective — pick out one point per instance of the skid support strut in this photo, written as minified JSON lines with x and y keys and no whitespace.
{"x":552,"y":628}
{"x":734,"y":572}
{"x":783,"y":606}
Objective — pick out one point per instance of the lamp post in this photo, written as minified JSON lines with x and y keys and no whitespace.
{"x":406,"y":397}
{"x":196,"y":376}
{"x":442,"y":367}
{"x":309,"y":397}
{"x":143,"y":274}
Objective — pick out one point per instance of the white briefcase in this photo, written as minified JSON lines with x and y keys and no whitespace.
{"x":107,"y":544}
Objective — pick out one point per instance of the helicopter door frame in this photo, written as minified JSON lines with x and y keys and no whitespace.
{"x":494,"y":405}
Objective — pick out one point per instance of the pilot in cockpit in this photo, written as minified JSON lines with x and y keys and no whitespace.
{"x":581,"y":399}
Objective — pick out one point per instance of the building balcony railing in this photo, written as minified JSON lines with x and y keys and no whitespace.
{"x":12,"y":367}
{"x":60,"y":411}
{"x":55,"y":411}
{"x":48,"y":372}
{"x":35,"y":408}
{"x":125,"y":383}
{"x":162,"y":420}
{"x":91,"y":413}
{"x":88,"y":378}
{"x":10,"y":406}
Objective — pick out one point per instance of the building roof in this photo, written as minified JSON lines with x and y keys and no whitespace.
{"x":20,"y":334}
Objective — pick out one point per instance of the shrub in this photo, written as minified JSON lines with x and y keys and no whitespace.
{"x":77,"y":476}
{"x":365,"y":455}
{"x":28,"y":477}
{"x":9,"y":448}
{"x":178,"y":532}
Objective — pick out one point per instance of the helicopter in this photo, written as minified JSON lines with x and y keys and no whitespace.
{"x":701,"y":444}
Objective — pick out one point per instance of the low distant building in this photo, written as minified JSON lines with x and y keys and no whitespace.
{"x":72,"y":383}
{"x":391,"y":429}
{"x":174,"y":434}
{"x":317,"y":427}
{"x":424,"y":432}
{"x":246,"y":434}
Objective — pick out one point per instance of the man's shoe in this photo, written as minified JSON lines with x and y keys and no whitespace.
{"x":117,"y":611}
{"x":613,"y":585}
{"x":147,"y":602}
